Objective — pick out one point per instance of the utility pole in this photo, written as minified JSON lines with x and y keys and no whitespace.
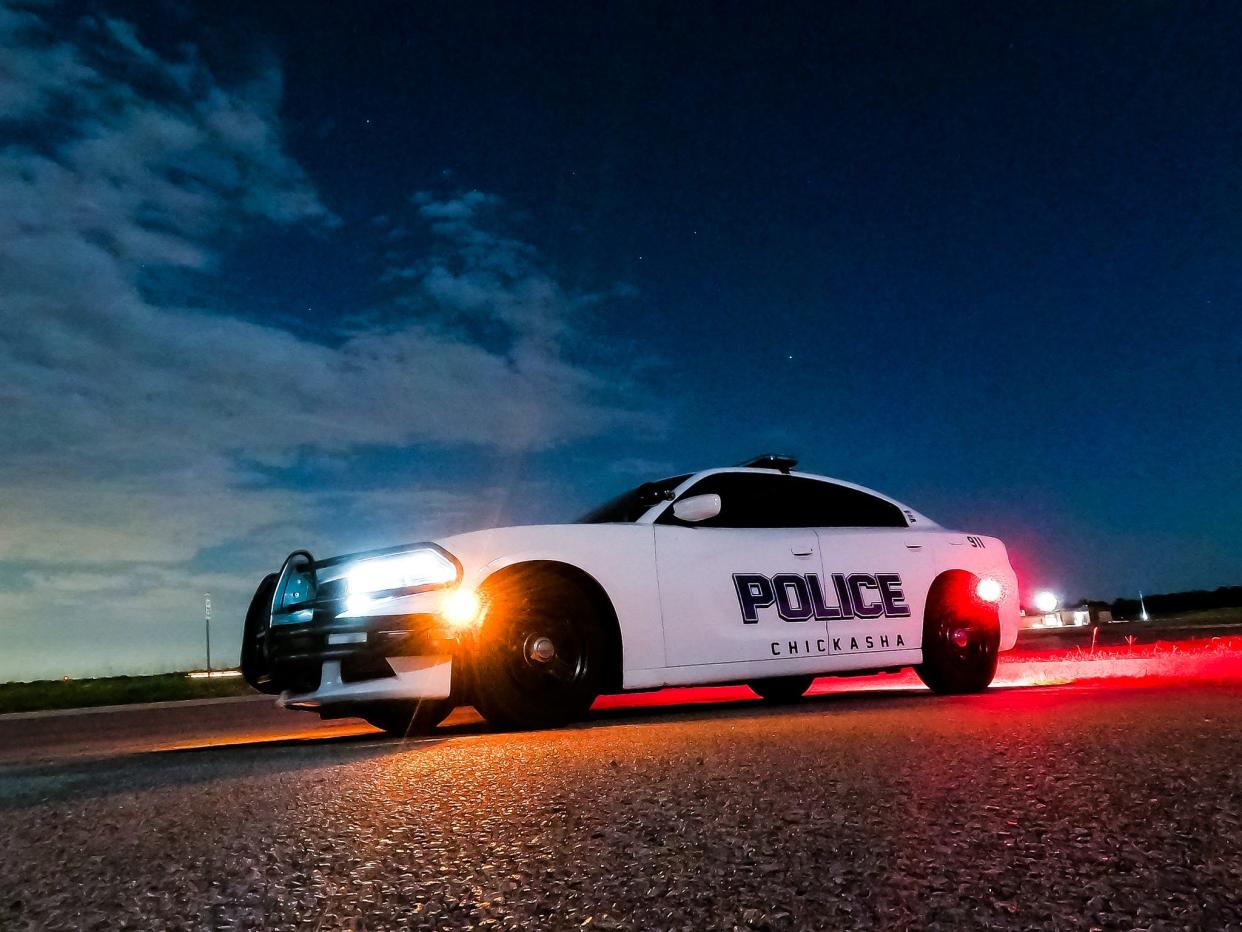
{"x":207,"y":624}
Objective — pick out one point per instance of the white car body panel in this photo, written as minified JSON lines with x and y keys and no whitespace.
{"x":620,"y":557}
{"x":677,"y":605}
{"x":427,"y":677}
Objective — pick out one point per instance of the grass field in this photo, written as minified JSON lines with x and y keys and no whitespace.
{"x":1211,"y":616}
{"x":1192,"y":626}
{"x":113,"y":690}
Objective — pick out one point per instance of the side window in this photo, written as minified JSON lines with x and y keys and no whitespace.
{"x":755,"y":500}
{"x":747,"y":500}
{"x":825,"y":504}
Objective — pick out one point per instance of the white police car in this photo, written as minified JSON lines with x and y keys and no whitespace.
{"x":753,"y":574}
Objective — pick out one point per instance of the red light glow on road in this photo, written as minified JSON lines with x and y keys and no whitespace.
{"x":1150,"y":665}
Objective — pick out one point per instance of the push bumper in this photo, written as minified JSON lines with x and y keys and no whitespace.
{"x":359,"y":639}
{"x":310,"y":647}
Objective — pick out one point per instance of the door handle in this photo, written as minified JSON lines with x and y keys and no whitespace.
{"x":914,"y":546}
{"x":803,"y":551}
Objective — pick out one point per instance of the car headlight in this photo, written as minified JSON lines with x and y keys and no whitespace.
{"x":423,"y":568}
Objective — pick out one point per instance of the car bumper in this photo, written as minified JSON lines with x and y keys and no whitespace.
{"x":423,"y":677}
{"x":358,"y":638}
{"x":361,"y":659}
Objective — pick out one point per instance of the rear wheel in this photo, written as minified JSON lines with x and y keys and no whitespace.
{"x":407,"y":718}
{"x":780,"y":690}
{"x":538,"y":660}
{"x":961,"y":642}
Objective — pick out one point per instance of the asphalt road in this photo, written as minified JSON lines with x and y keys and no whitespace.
{"x":1111,"y":805}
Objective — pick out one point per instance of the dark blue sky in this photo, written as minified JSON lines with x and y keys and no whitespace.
{"x":984,"y":259}
{"x":1001,"y":246}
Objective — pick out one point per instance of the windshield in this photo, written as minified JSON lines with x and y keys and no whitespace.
{"x":629,"y":506}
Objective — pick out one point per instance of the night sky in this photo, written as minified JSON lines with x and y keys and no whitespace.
{"x":349,"y":275}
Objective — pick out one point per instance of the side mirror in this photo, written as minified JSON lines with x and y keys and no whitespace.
{"x":697,"y":507}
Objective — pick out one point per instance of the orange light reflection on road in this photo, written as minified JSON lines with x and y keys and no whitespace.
{"x":318,"y":732}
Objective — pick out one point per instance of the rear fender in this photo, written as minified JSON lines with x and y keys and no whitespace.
{"x":978,"y":556}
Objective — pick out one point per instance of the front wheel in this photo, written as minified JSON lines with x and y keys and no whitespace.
{"x":960,"y":651}
{"x":539,"y":655}
{"x":781,"y":690}
{"x":404,"y":719}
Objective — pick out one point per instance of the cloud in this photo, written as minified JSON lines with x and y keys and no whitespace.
{"x":462,"y":209}
{"x":131,"y":419}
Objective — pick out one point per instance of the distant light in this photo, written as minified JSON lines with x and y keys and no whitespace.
{"x":1045,"y":602}
{"x":462,"y":608}
{"x":989,"y":589}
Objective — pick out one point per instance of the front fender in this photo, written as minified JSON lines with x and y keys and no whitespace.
{"x":619,"y":557}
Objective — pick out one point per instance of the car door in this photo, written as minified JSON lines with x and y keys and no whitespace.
{"x":736,"y":589}
{"x":876,"y":570}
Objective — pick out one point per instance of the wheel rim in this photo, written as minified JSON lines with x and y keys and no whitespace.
{"x":949,"y":632}
{"x":964,"y":643}
{"x":546,"y":652}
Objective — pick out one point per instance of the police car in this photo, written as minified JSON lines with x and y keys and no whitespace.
{"x":752,"y":574}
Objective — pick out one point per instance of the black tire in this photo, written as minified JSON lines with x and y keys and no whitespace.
{"x":407,"y":719}
{"x":781,"y":690}
{"x":254,"y":666}
{"x":961,"y":642}
{"x":512,"y":687}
